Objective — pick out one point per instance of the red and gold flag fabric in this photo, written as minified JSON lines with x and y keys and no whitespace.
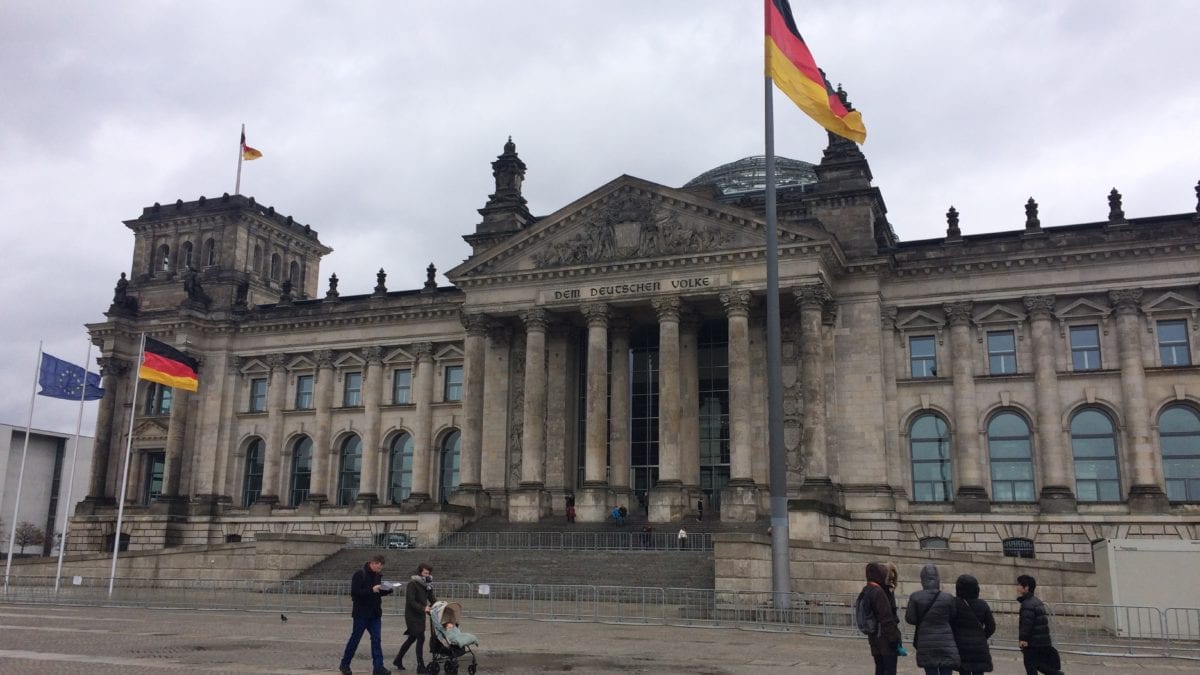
{"x":164,"y":364}
{"x":249,"y":153}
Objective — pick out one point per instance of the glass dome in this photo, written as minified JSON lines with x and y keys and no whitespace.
{"x":749,"y":175}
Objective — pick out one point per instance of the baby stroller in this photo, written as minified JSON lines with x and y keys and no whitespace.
{"x":449,"y":643}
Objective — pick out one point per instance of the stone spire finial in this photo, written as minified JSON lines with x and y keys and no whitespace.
{"x":1115,"y":213}
{"x":380,"y":283}
{"x":953,"y":233}
{"x":332,"y":293}
{"x":1031,"y":215}
{"x":430,"y":273}
{"x":510,"y":148}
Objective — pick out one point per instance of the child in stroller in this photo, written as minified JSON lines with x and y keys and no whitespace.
{"x":449,"y":643}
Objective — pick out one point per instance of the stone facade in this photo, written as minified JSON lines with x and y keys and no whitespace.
{"x":978,"y":392}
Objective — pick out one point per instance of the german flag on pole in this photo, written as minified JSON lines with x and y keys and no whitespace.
{"x":791,"y":66}
{"x":249,"y":153}
{"x":164,"y":364}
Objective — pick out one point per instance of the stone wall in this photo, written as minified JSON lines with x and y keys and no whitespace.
{"x":743,"y":563}
{"x":269,"y":557}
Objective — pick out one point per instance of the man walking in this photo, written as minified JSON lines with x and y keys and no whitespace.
{"x":367,"y":591}
{"x":1034,"y":631}
{"x":418,"y":598}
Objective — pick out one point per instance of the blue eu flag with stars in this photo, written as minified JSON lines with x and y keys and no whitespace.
{"x":62,"y":379}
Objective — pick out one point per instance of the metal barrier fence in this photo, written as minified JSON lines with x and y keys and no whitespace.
{"x":589,"y":541}
{"x":1113,"y":630}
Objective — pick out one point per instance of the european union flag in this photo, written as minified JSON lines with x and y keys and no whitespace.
{"x":61,"y":379}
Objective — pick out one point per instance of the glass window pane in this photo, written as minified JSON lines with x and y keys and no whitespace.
{"x":1096,"y":469}
{"x":1008,"y":424}
{"x":1179,"y":420}
{"x":1002,"y":492}
{"x":1091,"y":422}
{"x":1012,"y":470}
{"x":1009,"y":449}
{"x":1086,"y":491}
{"x":1023,"y":491}
{"x":1110,"y":491}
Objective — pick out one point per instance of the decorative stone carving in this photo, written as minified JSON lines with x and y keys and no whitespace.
{"x":535,"y":319}
{"x":1032,"y":222}
{"x":122,"y":302}
{"x":332,"y":293}
{"x":1125,"y":300}
{"x":596,"y":314}
{"x":1040,"y":306}
{"x":958,"y":313}
{"x":380,"y":284}
{"x":475,"y":323}
{"x":373,"y":354}
{"x":191,"y":287}
{"x":631,"y":227}
{"x":323,"y":357}
{"x":276,"y":361}
{"x":887,"y":317}
{"x":953,"y":233}
{"x":430,"y":278}
{"x":737,"y":303}
{"x":1115,"y":213}
{"x":668,"y":308}
{"x":110,"y":365}
{"x":422,"y":350}
{"x":810,"y":295}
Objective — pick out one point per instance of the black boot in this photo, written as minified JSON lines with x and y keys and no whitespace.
{"x":398,"y":661}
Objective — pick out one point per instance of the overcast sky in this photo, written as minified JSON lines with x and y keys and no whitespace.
{"x":378,"y":121}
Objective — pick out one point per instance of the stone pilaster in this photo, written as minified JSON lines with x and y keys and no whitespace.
{"x":1056,"y":494}
{"x":689,"y":407}
{"x":470,"y":488}
{"x":323,"y":401}
{"x":176,"y":430}
{"x":591,"y":501}
{"x":618,"y":428}
{"x":739,"y":499}
{"x":423,"y":451}
{"x":1145,"y":486}
{"x":561,"y":452}
{"x":970,"y":495}
{"x":112,"y":374}
{"x":811,"y":300}
{"x":895,"y":455}
{"x":272,"y":451}
{"x":668,"y":499}
{"x":532,"y":502}
{"x":494,"y":441}
{"x":368,"y":484}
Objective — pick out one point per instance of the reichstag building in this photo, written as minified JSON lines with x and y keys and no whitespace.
{"x":1024,"y":392}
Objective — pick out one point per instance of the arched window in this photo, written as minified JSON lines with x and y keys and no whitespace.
{"x":400,"y":468}
{"x":257,"y":265}
{"x":210,"y":252}
{"x":1094,"y":445}
{"x":449,"y":465}
{"x":164,"y":258}
{"x":186,"y":253}
{"x":294,"y":273}
{"x":1018,"y":547}
{"x":929,"y":441}
{"x":1011,"y":458}
{"x":253,"y":472}
{"x":349,"y":471}
{"x":301,"y":469}
{"x":276,"y":266}
{"x":1179,"y":438}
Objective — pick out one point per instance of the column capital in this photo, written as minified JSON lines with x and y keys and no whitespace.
{"x":558,"y":330}
{"x":669,"y":308}
{"x":812,"y":296}
{"x":535,"y":319}
{"x":499,"y":333}
{"x":887,"y":316}
{"x":234,"y":364}
{"x":1126,"y":300}
{"x":476,"y":323}
{"x":958,"y":313}
{"x":619,"y":324}
{"x":1040,"y":306}
{"x":276,"y":361}
{"x":111,"y":365}
{"x":737,"y":303}
{"x":596,"y":313}
{"x":373,"y":354}
{"x":423,"y":351}
{"x":323,"y":357}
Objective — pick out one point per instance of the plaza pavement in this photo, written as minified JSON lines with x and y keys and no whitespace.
{"x":38,"y":639}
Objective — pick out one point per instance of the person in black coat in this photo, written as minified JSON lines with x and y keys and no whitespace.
{"x":886,"y":640}
{"x":932,"y":612}
{"x":366,"y":592}
{"x":418,"y":598}
{"x":972,"y":627}
{"x":1033,"y":631}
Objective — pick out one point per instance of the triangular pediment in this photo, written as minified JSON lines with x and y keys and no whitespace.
{"x":998,"y":314}
{"x":151,"y":429}
{"x":628,"y":219}
{"x":1170,"y":302}
{"x":1082,"y":309}
{"x":918,"y":320}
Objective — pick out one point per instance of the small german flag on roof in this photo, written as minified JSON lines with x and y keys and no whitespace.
{"x":164,"y":364}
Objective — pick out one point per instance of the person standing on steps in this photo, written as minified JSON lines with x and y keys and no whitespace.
{"x":682,"y":538}
{"x":418,"y":598}
{"x":366,"y":592}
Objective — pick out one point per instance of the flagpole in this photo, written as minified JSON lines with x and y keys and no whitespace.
{"x":125,"y":474}
{"x":12,"y":532}
{"x":237,"y":186}
{"x":66,"y":501}
{"x":780,"y":559}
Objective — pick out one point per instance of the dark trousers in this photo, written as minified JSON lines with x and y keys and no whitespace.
{"x":418,"y":638}
{"x":372,"y":625}
{"x":1041,"y":660}
{"x":885,"y":665}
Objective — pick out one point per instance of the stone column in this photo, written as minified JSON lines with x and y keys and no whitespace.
{"x":112,"y":373}
{"x":591,"y":502}
{"x":323,"y":438}
{"x":811,"y":300}
{"x":895,"y":455}
{"x":970,"y":495}
{"x":561,"y":401}
{"x":494,"y":441}
{"x":423,"y":430}
{"x":1053,"y":458}
{"x":273,"y":449}
{"x":618,"y":427}
{"x":368,"y":485}
{"x":739,"y":499}
{"x":470,"y":489}
{"x":531,"y":502}
{"x":174,"y":446}
{"x":689,"y":409}
{"x":667,"y":499}
{"x":1145,"y":486}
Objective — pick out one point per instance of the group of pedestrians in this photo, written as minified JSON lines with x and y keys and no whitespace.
{"x":950,"y":632}
{"x":367,"y":589}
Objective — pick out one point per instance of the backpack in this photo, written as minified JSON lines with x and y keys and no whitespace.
{"x":864,"y":614}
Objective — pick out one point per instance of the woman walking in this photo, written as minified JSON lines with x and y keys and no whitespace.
{"x":933,"y":612}
{"x":972,"y":628}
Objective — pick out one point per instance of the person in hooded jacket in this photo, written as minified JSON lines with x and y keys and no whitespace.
{"x":886,"y":640}
{"x":972,"y":628}
{"x":933,"y":612}
{"x":418,"y":599}
{"x":893,"y":581}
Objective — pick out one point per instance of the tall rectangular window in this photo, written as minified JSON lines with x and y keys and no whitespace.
{"x":304,"y":392}
{"x":258,"y":394}
{"x":1173,"y":343}
{"x":402,"y":386}
{"x":156,"y":463}
{"x":1002,"y":352}
{"x":1085,"y":348}
{"x":922,"y":352}
{"x":158,"y":399}
{"x":454,"y":383}
{"x":352,"y":390}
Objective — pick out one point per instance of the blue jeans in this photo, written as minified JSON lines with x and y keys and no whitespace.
{"x":374,"y":626}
